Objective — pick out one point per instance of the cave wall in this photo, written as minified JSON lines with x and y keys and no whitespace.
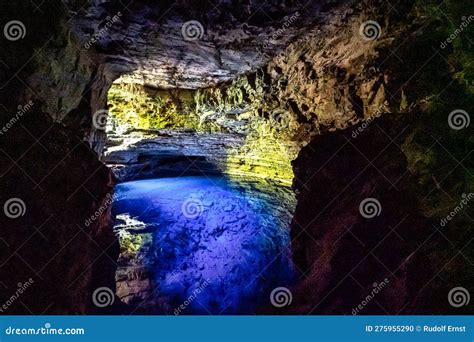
{"x":327,"y":81}
{"x":49,"y":89}
{"x":146,"y":42}
{"x":328,"y":84}
{"x":406,"y":250}
{"x":245,"y":146}
{"x":415,"y":162}
{"x":340,"y":252}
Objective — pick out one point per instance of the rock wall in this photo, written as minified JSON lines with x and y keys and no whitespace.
{"x":50,"y":175}
{"x":144,"y":40}
{"x":320,"y":83}
{"x":315,"y":92}
{"x":216,"y":123}
{"x":403,"y":249}
{"x":59,"y":182}
{"x":415,"y":163}
{"x":341,"y":247}
{"x":325,"y":82}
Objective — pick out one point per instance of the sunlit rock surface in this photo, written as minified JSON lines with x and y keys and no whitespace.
{"x":169,"y":153}
{"x":148,"y":45}
{"x":222,"y":243}
{"x":219,"y":126}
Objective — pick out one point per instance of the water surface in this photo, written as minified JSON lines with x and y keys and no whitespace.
{"x":201,"y":245}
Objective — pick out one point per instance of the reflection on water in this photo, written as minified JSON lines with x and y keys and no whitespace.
{"x":201,"y":245}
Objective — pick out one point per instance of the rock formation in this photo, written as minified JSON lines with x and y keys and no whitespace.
{"x":295,"y":90}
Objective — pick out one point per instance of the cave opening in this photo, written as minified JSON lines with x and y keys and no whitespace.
{"x":203,"y":200}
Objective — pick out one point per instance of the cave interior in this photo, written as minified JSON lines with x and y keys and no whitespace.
{"x":225,"y":157}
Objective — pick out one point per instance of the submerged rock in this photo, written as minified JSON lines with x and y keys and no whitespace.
{"x":231,"y":244}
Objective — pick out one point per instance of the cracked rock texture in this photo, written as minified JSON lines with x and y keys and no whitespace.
{"x":146,"y":42}
{"x":304,"y":88}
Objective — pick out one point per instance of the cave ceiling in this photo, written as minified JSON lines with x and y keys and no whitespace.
{"x":188,"y":44}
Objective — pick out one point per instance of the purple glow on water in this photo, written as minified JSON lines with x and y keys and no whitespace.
{"x":216,"y":249}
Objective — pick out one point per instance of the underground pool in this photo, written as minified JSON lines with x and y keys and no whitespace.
{"x":201,"y":244}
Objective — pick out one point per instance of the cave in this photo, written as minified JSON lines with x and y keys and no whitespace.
{"x":223,"y":157}
{"x":202,"y":201}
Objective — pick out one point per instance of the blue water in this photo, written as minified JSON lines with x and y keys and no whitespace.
{"x":216,"y":247}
